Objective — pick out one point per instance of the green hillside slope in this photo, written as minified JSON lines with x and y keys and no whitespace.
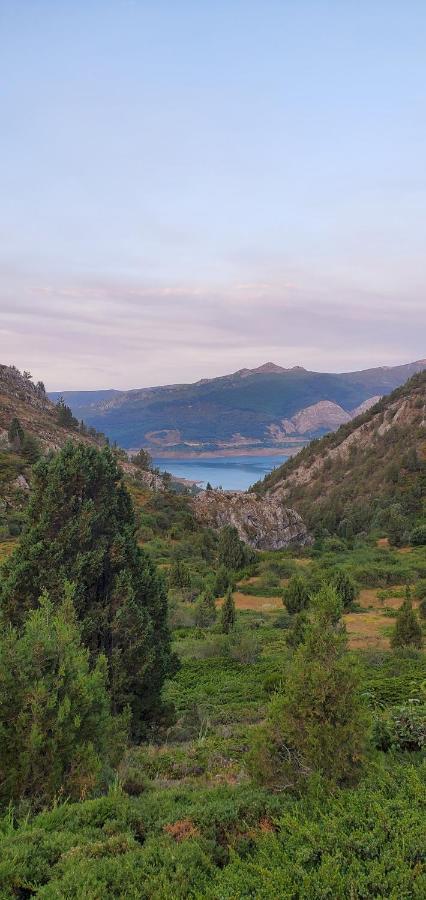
{"x":371,"y":472}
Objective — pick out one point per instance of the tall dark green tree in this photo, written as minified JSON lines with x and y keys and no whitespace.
{"x":15,"y":434}
{"x":233,"y":552}
{"x":407,"y":631}
{"x":81,"y":529}
{"x":296,"y":594}
{"x":228,"y":613}
{"x":345,"y":587}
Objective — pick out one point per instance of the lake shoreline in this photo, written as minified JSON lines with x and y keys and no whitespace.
{"x":223,"y":454}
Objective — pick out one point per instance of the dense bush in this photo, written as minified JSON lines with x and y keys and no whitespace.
{"x":401,"y":728}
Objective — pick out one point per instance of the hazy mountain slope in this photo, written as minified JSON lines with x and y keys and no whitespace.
{"x":350,"y":479}
{"x":250,"y":408}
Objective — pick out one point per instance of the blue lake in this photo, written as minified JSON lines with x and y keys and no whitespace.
{"x":234,"y":473}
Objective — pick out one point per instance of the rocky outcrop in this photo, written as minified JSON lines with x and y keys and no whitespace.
{"x":263,"y":523}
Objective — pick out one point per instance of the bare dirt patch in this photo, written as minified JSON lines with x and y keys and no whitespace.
{"x":260,"y":604}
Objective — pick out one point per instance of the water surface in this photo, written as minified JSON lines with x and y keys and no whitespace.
{"x":232,"y":473}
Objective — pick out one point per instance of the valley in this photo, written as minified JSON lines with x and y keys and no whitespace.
{"x":191,"y":805}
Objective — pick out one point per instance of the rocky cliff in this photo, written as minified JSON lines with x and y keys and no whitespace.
{"x":263,"y":523}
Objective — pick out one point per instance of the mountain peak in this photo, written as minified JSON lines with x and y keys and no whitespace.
{"x":269,"y":368}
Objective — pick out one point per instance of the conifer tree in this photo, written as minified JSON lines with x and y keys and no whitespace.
{"x":345,"y":586}
{"x":407,"y":631}
{"x":205,"y":612}
{"x":81,"y":529}
{"x":232,"y":552}
{"x":317,"y":724}
{"x":296,"y":595}
{"x":223,"y":580}
{"x":56,"y":730}
{"x":15,"y":434}
{"x":228,"y":613}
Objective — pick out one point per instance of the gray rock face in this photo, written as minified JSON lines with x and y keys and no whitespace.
{"x":262,"y":522}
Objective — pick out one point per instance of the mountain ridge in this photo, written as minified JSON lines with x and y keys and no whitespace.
{"x":250,"y":408}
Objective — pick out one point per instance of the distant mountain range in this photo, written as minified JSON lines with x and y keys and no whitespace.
{"x":251,"y":411}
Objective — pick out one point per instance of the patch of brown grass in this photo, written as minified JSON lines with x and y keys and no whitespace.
{"x":259,"y":604}
{"x":367,"y":630}
{"x":6,"y":548}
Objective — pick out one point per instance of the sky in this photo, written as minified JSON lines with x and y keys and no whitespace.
{"x":189,"y":188}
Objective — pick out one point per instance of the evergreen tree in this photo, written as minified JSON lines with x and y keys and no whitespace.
{"x":232,"y":552}
{"x":296,"y":594}
{"x":81,"y":529}
{"x":317,"y":723}
{"x":345,"y":586}
{"x":228,"y":613}
{"x":223,"y":581}
{"x":15,"y":434}
{"x":56,"y":731}
{"x":180,"y":575}
{"x":407,"y":631}
{"x":296,"y":634}
{"x":205,"y":612}
{"x":64,"y":415}
{"x":142,"y":459}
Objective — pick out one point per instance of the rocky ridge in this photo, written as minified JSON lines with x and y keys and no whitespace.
{"x":263,"y":523}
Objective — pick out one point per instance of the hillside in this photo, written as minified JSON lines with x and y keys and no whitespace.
{"x":250,"y":410}
{"x":371,"y":472}
{"x":41,"y":431}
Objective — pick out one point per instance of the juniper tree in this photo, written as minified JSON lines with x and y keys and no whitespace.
{"x":407,"y":631}
{"x":232,"y":552}
{"x":56,"y":731}
{"x":317,"y":724}
{"x":296,"y":594}
{"x":81,"y":528}
{"x":15,"y":434}
{"x":345,"y":586}
{"x":205,"y":612}
{"x":228,"y":613}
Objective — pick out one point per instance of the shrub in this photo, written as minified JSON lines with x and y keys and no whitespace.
{"x":418,"y":536}
{"x":296,"y":594}
{"x":245,"y":648}
{"x":403,"y":728}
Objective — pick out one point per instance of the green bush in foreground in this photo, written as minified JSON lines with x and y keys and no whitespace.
{"x":227,"y":843}
{"x":56,"y":732}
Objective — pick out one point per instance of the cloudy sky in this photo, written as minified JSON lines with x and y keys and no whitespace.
{"x":187,"y":187}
